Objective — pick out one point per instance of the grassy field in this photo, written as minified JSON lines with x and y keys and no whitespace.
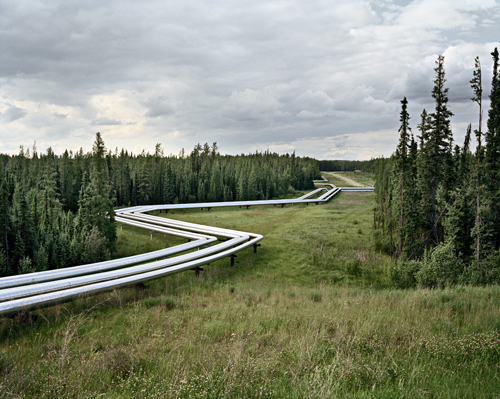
{"x":311,"y":315}
{"x":362,"y":177}
{"x":335,"y":180}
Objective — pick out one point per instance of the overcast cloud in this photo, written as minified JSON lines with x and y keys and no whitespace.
{"x":323,"y":78}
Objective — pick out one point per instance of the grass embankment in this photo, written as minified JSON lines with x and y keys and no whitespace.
{"x":309,"y":315}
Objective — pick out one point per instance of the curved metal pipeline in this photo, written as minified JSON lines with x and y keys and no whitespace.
{"x":37,"y":289}
{"x":173,"y":232}
{"x":41,"y":289}
{"x":49,"y":275}
{"x":48,"y":299}
{"x":217,"y":231}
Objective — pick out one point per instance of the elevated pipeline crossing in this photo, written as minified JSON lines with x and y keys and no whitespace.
{"x":31,"y":291}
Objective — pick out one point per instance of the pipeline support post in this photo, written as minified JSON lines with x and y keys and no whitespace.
{"x":255,"y":248}
{"x":232,"y":259}
{"x":197,"y":271}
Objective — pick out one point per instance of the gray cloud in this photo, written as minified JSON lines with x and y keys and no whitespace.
{"x":105,"y":122}
{"x":11,"y":114}
{"x":285,"y":75}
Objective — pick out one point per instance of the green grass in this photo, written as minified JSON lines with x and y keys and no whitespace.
{"x":362,"y":177}
{"x":311,"y":315}
{"x":335,"y":180}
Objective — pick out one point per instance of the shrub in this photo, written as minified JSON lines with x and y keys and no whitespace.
{"x":443,"y":268}
{"x":403,"y":274}
{"x":151,"y":301}
{"x":381,"y":241}
{"x":353,"y":267}
{"x":487,"y":273}
{"x":169,"y":302}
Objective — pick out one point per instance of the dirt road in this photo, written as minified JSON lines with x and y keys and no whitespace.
{"x":354,"y":183}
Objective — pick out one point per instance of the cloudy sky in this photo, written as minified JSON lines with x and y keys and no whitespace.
{"x":323,"y":78}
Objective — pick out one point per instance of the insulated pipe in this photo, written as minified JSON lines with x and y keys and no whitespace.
{"x":190,"y":226}
{"x":122,"y":277}
{"x":173,"y":232}
{"x":181,"y":225}
{"x":49,"y":275}
{"x":37,"y":289}
{"x":312,"y":193}
{"x":38,"y":301}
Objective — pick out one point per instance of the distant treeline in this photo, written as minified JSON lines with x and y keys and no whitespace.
{"x":438,"y":204}
{"x":347,"y":166}
{"x":57,"y":211}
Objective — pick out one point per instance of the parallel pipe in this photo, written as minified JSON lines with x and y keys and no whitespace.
{"x":41,"y":289}
{"x":50,"y":275}
{"x":37,"y":289}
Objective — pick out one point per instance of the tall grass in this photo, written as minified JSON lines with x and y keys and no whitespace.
{"x":311,"y":315}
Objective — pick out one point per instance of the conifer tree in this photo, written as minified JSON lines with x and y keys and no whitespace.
{"x":436,"y":150}
{"x":401,"y":172}
{"x":492,"y":157}
{"x":477,"y":88}
{"x":5,"y":225}
{"x":459,"y":218}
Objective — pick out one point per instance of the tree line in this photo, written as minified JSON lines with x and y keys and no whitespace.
{"x":57,"y":211}
{"x":347,"y":165}
{"x":438,"y":204}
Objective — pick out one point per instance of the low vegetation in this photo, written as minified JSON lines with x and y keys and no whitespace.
{"x":365,"y":178}
{"x":312,"y":315}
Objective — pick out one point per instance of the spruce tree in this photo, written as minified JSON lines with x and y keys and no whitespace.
{"x":5,"y":226}
{"x":436,"y":151}
{"x":477,"y":88}
{"x":401,"y":173}
{"x":492,"y":158}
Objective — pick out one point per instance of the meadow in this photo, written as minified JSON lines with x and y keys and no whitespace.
{"x":365,"y":178}
{"x":311,"y":315}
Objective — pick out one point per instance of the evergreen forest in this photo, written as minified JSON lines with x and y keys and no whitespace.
{"x":57,"y":211}
{"x":438,"y":204}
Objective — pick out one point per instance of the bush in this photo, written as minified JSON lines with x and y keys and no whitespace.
{"x":151,"y":301}
{"x":354,"y":267}
{"x":487,"y":273}
{"x":169,"y":302}
{"x":403,"y":274}
{"x":26,"y":266}
{"x":381,"y":241}
{"x":443,"y":268}
{"x":95,"y":246}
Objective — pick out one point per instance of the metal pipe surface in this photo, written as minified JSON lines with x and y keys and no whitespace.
{"x":35,"y":290}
